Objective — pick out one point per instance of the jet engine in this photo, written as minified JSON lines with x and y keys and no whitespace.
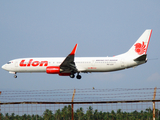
{"x":56,"y":70}
{"x":53,"y":70}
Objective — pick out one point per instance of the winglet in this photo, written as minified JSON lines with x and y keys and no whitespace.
{"x":74,"y":50}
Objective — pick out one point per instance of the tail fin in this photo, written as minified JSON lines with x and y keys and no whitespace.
{"x":141,"y":45}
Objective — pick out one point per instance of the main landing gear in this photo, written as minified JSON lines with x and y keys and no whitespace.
{"x":72,"y":76}
{"x":78,"y":76}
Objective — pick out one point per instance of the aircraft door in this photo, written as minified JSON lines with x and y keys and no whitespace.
{"x":93,"y":62}
{"x":122,"y":63}
{"x":16,"y":64}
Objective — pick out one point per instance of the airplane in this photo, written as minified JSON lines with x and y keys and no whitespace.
{"x":71,"y":65}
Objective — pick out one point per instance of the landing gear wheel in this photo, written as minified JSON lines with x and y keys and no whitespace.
{"x":72,"y":76}
{"x":79,"y":77}
{"x":15,"y":76}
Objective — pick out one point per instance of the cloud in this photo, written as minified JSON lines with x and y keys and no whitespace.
{"x":154,"y":77}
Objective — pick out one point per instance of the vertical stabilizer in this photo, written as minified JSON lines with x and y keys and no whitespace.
{"x":141,"y":45}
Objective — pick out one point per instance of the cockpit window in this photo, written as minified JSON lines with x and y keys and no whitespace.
{"x":8,"y":62}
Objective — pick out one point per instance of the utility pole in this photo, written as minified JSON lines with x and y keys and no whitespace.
{"x":154,"y":95}
{"x":72,"y":104}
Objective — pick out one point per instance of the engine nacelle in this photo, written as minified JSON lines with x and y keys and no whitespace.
{"x":53,"y":70}
{"x":56,"y":70}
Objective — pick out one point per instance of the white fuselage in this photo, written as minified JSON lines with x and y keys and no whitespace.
{"x":83,"y":64}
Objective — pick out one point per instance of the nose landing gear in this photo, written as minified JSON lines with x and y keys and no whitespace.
{"x":15,"y":76}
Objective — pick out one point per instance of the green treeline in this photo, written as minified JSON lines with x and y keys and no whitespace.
{"x":90,"y":114}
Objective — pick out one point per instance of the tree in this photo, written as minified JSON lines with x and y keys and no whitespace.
{"x":113,"y":115}
{"x":65,"y":113}
{"x":69,"y":112}
{"x":17,"y":117}
{"x":89,"y":113}
{"x":79,"y":114}
{"x":149,"y":113}
{"x":29,"y":117}
{"x":48,"y":115}
{"x":1,"y":116}
{"x":58,"y":114}
{"x":96,"y":115}
{"x":119,"y":114}
{"x":7,"y":116}
{"x":12,"y":116}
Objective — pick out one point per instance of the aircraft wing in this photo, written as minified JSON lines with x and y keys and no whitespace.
{"x":68,"y":65}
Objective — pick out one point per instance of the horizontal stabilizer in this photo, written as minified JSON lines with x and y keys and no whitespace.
{"x":141,"y":58}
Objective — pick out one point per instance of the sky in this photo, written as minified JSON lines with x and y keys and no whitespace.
{"x":101,"y":28}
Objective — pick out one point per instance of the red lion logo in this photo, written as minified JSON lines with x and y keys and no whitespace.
{"x":140,"y":48}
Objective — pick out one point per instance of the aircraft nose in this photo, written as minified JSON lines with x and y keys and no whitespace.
{"x":3,"y":67}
